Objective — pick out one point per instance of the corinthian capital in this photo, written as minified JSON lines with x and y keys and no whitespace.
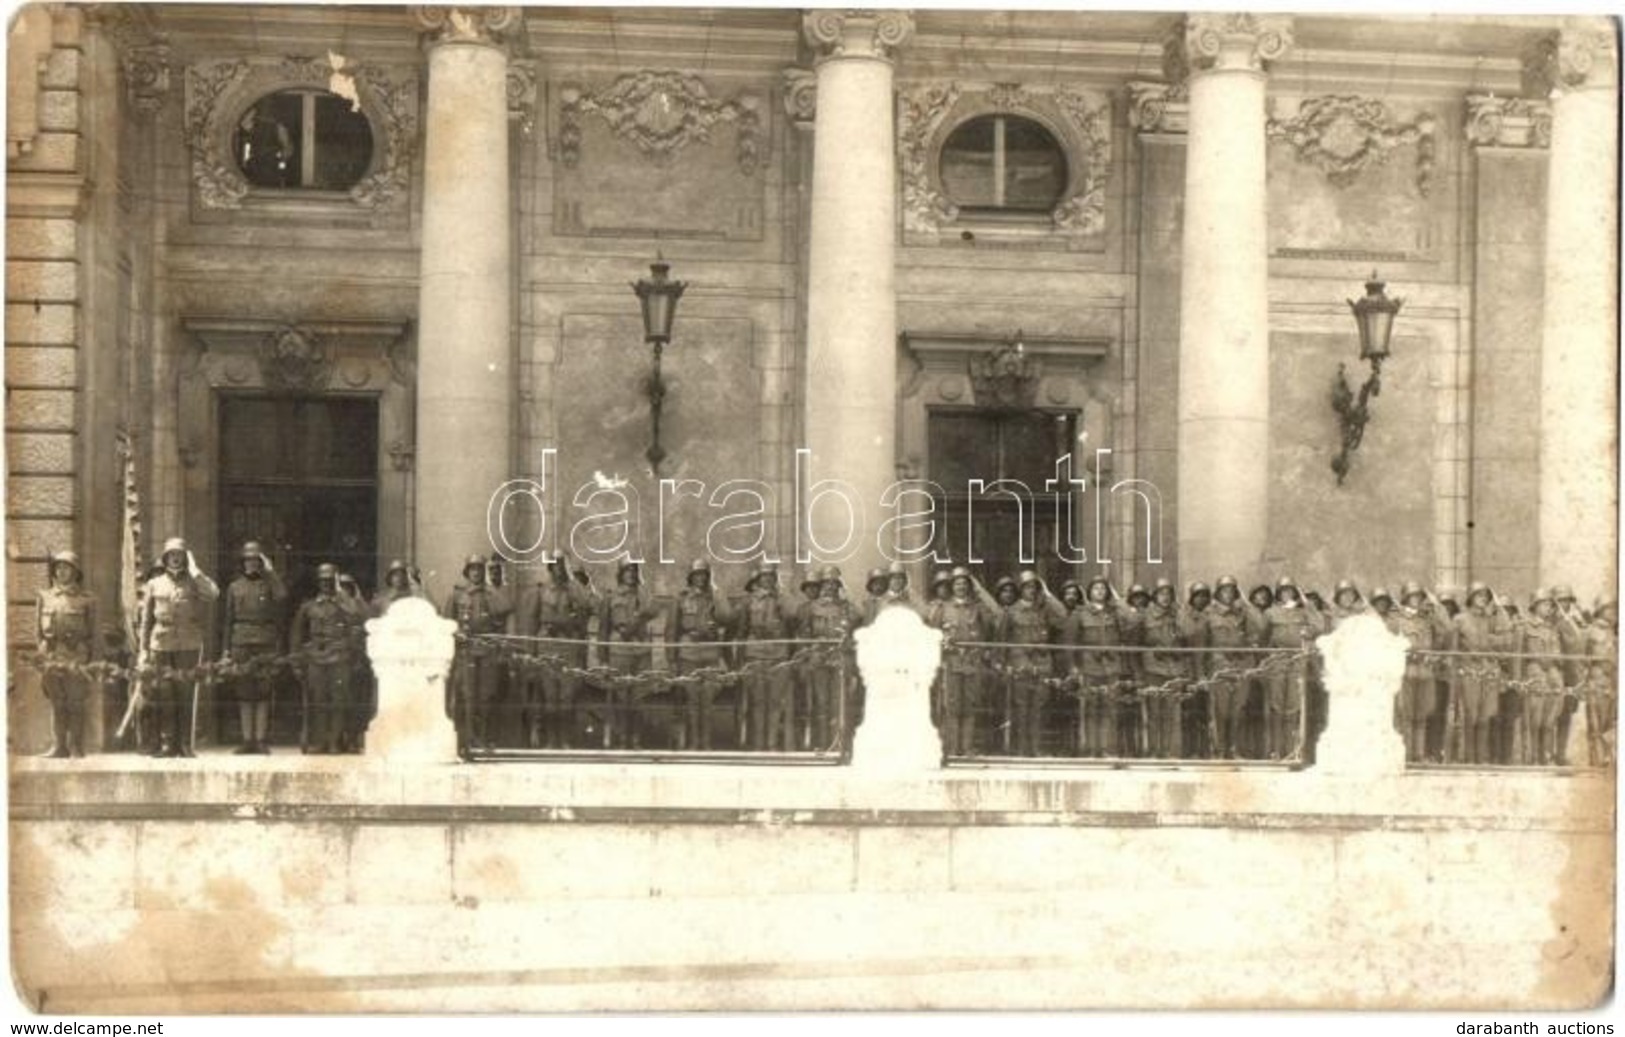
{"x":857,"y":33}
{"x":1577,"y":57}
{"x":1226,"y":42}
{"x":487,"y":25}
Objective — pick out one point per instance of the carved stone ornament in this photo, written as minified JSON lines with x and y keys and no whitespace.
{"x":143,"y":52}
{"x":834,"y":33}
{"x":1079,"y":120}
{"x":294,"y":357}
{"x":485,"y":25}
{"x":1159,"y":107}
{"x":1508,"y":122}
{"x":219,"y":92}
{"x":800,"y":96}
{"x":1227,"y":41}
{"x":661,"y":113}
{"x":1575,"y":58}
{"x":1345,"y":136}
{"x":522,"y":95}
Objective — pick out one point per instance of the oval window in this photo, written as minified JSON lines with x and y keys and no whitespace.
{"x":1003,"y":163}
{"x":305,"y":139}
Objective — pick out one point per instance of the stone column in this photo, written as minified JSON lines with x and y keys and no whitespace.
{"x":465,"y":386}
{"x":851,"y":375}
{"x":1579,"y":370}
{"x":1224,"y":343}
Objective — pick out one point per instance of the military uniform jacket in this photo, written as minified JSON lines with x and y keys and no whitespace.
{"x":175,"y":611}
{"x":558,"y":611}
{"x":765,"y":617}
{"x":1602,"y":645}
{"x":1291,"y":626}
{"x":1574,"y":638}
{"x":1482,"y":632}
{"x":326,"y":628}
{"x":1229,"y":626}
{"x":254,"y":611}
{"x":699,"y":617}
{"x":1094,"y":625}
{"x":67,"y":623}
{"x":1032,"y":623}
{"x":479,"y":609}
{"x":961,"y":620}
{"x":1161,"y":630}
{"x":1421,"y":631}
{"x":1542,"y":638}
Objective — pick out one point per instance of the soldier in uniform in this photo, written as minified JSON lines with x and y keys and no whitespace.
{"x":324,"y":631}
{"x":400,"y":581}
{"x":1127,"y":704}
{"x":624,"y":616}
{"x":1037,"y":618}
{"x":968,"y":614}
{"x":254,"y":604}
{"x":901,"y":592}
{"x":1255,"y":720}
{"x":830,"y":618}
{"x":1290,"y":624}
{"x":1197,"y":704}
{"x":768,"y":687}
{"x":1092,"y":626}
{"x":1412,"y":621}
{"x":479,"y":610}
{"x":1571,"y":629}
{"x":65,"y":617}
{"x":1164,"y":675}
{"x":699,"y":617}
{"x":173,"y":617}
{"x":877,"y":591}
{"x":1602,"y":682}
{"x":1542,"y":679}
{"x":1228,"y":626}
{"x":1346,"y":601}
{"x":559,"y":607}
{"x":1481,"y":627}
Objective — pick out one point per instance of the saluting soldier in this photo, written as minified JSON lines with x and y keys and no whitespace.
{"x":769,"y":706}
{"x":324,"y":634}
{"x":1197,"y":704}
{"x":65,"y":616}
{"x":1481,"y":627}
{"x":173,"y":619}
{"x":829,"y":618}
{"x":1036,"y":618}
{"x":1128,"y":703}
{"x":1542,"y":679}
{"x":400,"y":581}
{"x":558,"y":607}
{"x":877,"y":594}
{"x":479,"y":610}
{"x":698,"y":619}
{"x":1290,"y":624}
{"x":1092,"y":626}
{"x":254,"y":610}
{"x":1227,"y":627}
{"x":1602,"y":682}
{"x":902,"y":592}
{"x":1164,"y":674}
{"x":1412,"y":621}
{"x":968,"y":614}
{"x":624,"y":616}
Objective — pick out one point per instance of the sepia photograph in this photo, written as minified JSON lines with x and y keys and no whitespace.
{"x":660,"y":509}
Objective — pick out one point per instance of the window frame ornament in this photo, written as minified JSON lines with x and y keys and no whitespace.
{"x":1079,"y":121}
{"x":219,"y":91}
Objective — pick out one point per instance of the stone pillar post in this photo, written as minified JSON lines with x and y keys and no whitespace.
{"x":1578,"y":69}
{"x":898,"y":656}
{"x":851,"y":375}
{"x":1364,"y":670}
{"x":410,"y":648}
{"x":465,"y":368}
{"x":1224,"y":340}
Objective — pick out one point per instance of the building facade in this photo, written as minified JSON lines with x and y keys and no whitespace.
{"x":331,"y":278}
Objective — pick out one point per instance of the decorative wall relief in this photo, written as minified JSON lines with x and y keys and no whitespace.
{"x":218,"y":92}
{"x":1078,"y":119}
{"x":646,"y":155}
{"x":661,"y":113}
{"x":1344,"y":136}
{"x":294,"y":357}
{"x":1352,"y":180}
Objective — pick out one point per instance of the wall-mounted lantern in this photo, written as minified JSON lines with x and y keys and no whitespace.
{"x":1375,"y":316}
{"x":658,"y":296}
